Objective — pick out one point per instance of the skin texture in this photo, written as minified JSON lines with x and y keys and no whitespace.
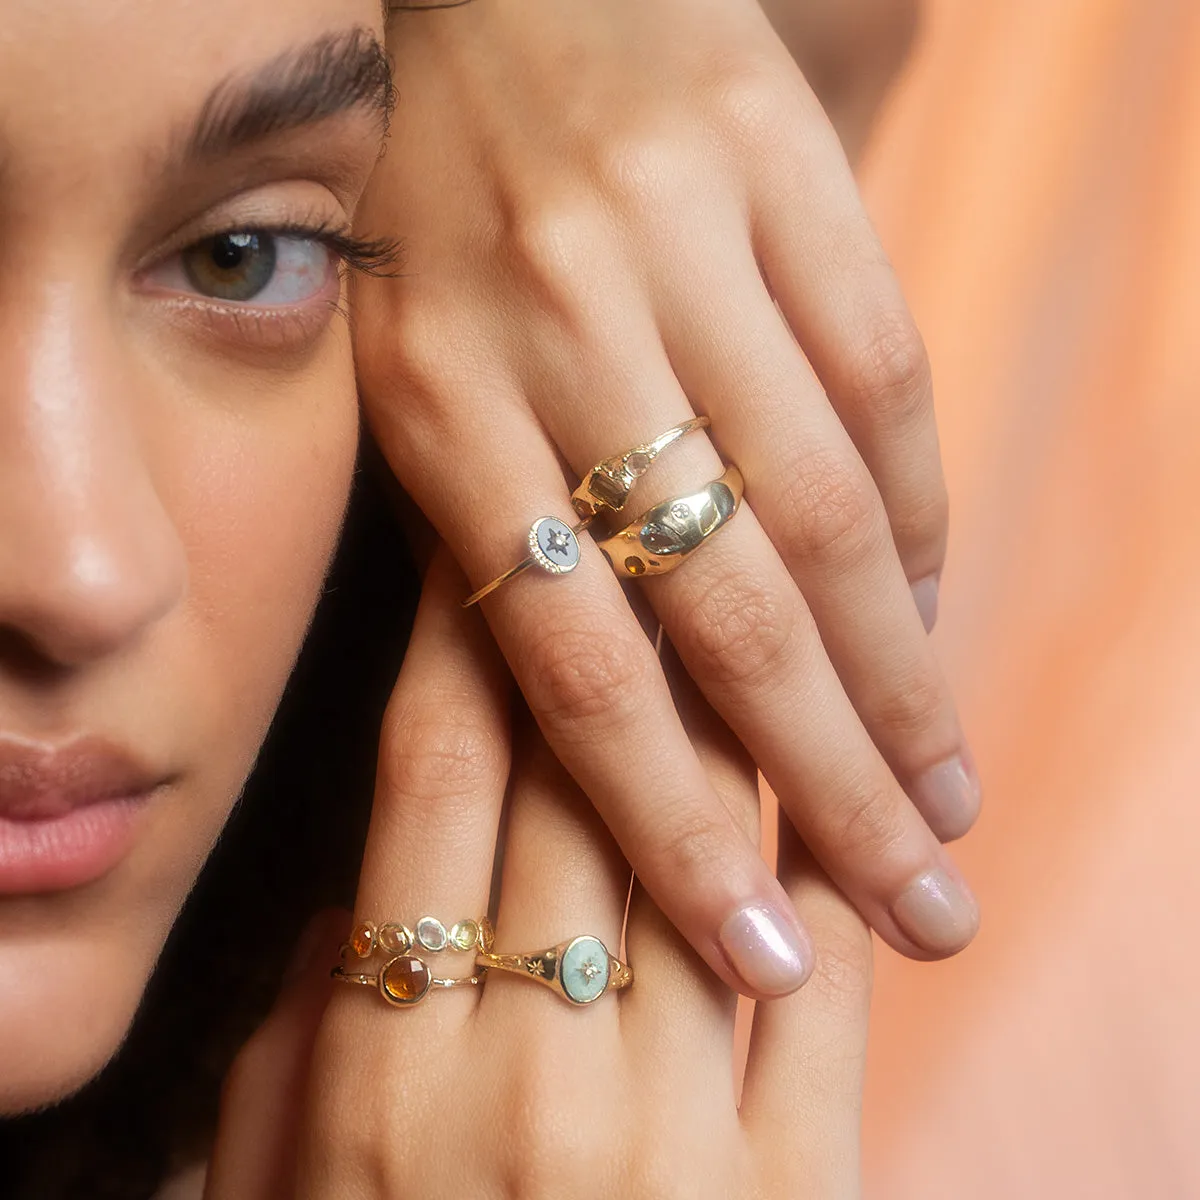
{"x":598,"y":213}
{"x":507,"y":1091}
{"x":158,"y":562}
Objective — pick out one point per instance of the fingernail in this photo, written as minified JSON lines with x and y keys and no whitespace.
{"x":938,"y":912}
{"x":948,"y":796}
{"x":925,"y":593}
{"x":770,"y":951}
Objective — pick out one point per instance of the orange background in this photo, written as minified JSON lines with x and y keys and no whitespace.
{"x":1036,"y":178}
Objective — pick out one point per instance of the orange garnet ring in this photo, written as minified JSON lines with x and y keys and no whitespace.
{"x":404,"y":980}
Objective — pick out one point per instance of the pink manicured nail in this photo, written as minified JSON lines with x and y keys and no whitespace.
{"x":925,"y":594}
{"x":948,"y":797}
{"x":769,"y":950}
{"x":938,"y":912}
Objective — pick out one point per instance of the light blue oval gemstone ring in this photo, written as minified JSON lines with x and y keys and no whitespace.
{"x":580,"y":970}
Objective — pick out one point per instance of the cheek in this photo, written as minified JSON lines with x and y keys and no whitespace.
{"x":258,"y":491}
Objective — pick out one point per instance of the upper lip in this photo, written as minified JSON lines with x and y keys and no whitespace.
{"x":40,"y":781}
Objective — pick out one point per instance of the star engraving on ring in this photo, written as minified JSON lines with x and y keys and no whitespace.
{"x":558,"y":541}
{"x":590,"y":970}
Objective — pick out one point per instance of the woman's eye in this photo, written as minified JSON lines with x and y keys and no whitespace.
{"x":240,"y":266}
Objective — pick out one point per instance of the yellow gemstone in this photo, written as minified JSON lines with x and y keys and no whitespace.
{"x":362,"y":940}
{"x":464,"y":935}
{"x":404,"y":980}
{"x":396,"y":939}
{"x":635,"y":566}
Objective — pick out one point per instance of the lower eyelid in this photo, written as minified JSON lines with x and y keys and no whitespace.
{"x":256,"y":327}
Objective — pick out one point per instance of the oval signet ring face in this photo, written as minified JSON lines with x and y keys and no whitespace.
{"x":554,"y":546}
{"x":583,"y":970}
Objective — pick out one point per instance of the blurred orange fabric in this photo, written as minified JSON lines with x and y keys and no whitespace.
{"x":1036,"y":178}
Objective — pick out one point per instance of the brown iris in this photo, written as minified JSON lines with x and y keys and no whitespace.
{"x":231,"y":266}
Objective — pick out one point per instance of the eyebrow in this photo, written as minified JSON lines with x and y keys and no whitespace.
{"x":331,"y":75}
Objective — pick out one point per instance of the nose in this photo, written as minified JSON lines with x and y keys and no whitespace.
{"x":89,"y":556}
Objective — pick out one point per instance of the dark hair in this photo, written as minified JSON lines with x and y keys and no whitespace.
{"x":292,"y":846}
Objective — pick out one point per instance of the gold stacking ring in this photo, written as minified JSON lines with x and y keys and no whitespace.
{"x":580,"y":970}
{"x":553,"y":544}
{"x":609,"y":483}
{"x":659,"y":540}
{"x":428,"y":934}
{"x":404,"y":980}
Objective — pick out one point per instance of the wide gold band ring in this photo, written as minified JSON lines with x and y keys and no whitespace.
{"x":404,"y":980}
{"x":553,"y":544}
{"x":580,"y":970}
{"x":659,"y":540}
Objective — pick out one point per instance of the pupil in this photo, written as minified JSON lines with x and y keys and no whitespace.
{"x":231,"y":266}
{"x":229,"y":249}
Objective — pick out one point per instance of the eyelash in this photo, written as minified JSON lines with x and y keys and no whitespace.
{"x":367,"y":256}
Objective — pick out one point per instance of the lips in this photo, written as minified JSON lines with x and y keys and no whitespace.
{"x":67,"y":812}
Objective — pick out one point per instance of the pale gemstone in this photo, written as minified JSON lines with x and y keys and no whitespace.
{"x":396,"y":939}
{"x":431,"y":933}
{"x":405,"y":980}
{"x":464,"y":935}
{"x":584,"y":969}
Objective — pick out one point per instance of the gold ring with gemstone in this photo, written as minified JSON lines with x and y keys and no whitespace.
{"x":553,"y":544}
{"x":580,"y":970}
{"x":405,"y":980}
{"x":609,"y":483}
{"x":429,"y":933}
{"x":659,"y":540}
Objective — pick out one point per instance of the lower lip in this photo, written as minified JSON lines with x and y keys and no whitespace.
{"x":64,"y":852}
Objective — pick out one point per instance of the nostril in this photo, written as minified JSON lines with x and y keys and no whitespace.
{"x":90,"y":599}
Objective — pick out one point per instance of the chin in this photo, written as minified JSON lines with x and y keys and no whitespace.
{"x":63,"y":1016}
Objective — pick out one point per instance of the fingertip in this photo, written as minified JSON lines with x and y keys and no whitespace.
{"x":938,"y":911}
{"x":767,"y":949}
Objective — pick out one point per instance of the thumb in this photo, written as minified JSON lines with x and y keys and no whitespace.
{"x":254,"y":1154}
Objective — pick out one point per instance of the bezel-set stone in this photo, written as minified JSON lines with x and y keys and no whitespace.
{"x":396,"y":939}
{"x":553,"y":545}
{"x":362,"y":940}
{"x":465,"y":935}
{"x":431,"y":933}
{"x":487,"y":935}
{"x":584,"y":969}
{"x":405,"y":980}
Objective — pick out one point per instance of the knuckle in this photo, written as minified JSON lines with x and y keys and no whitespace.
{"x":864,"y":825}
{"x":641,"y":168}
{"x":436,"y":761}
{"x":750,"y":96}
{"x":740,"y":632}
{"x":832,"y":513}
{"x":555,"y":244}
{"x":891,"y":374}
{"x":583,"y":680}
{"x":688,"y":847}
{"x":910,"y":707}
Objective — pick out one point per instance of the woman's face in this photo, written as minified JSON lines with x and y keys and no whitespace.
{"x":177,"y":435}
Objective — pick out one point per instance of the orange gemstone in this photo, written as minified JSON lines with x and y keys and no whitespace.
{"x":362,"y":940}
{"x":404,"y":980}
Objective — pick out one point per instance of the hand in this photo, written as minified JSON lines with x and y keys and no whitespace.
{"x":601,"y":205}
{"x":508,"y":1089}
